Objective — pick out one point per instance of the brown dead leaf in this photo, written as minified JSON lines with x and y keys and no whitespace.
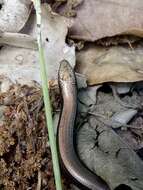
{"x":98,"y":19}
{"x":115,"y":64}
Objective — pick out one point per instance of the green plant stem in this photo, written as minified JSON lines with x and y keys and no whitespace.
{"x":52,"y":138}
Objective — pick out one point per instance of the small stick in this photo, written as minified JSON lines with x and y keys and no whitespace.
{"x":18,"y":40}
{"x":49,"y":120}
{"x":39,"y":181}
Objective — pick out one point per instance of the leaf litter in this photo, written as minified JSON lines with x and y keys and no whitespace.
{"x":24,"y":151}
{"x":19,"y":60}
{"x":25,"y":157}
{"x":108,"y":146}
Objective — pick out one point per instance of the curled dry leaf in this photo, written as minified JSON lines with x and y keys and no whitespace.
{"x":115,"y":64}
{"x":14,"y":14}
{"x":98,"y":19}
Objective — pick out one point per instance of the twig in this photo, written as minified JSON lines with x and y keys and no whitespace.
{"x":39,"y":181}
{"x":107,"y":122}
{"x":47,"y":103}
{"x":18,"y":40}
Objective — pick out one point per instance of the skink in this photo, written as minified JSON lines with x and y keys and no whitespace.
{"x":66,"y":132}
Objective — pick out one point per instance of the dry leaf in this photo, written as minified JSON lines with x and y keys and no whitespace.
{"x":107,"y":155}
{"x":98,"y":19}
{"x":23,"y":64}
{"x":115,"y":64}
{"x":14,"y":14}
{"x":67,"y":7}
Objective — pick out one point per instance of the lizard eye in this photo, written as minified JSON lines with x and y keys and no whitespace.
{"x":1,"y":5}
{"x":123,"y":187}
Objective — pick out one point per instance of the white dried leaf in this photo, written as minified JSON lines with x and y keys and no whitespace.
{"x":22,"y":65}
{"x":14,"y":14}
